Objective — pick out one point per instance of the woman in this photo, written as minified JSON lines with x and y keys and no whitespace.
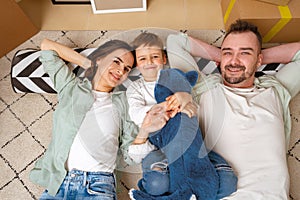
{"x":88,"y":123}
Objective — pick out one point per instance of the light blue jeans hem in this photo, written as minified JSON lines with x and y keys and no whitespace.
{"x":79,"y":185}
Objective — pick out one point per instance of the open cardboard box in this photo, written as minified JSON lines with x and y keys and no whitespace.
{"x":276,"y":23}
{"x":115,"y":6}
{"x":15,"y":25}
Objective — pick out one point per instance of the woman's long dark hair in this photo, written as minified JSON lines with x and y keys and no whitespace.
{"x":104,"y":50}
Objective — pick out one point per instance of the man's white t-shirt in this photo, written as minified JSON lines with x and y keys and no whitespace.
{"x":245,"y":126}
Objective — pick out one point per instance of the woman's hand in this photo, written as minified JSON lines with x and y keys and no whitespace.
{"x":155,"y":119}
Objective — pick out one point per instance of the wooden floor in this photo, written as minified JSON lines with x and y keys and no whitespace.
{"x":171,"y":14}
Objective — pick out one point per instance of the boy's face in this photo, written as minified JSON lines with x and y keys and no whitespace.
{"x":150,"y":60}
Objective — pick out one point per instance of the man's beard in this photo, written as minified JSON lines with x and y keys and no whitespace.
{"x":236,"y":80}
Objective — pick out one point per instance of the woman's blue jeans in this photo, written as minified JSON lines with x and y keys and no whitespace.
{"x":157,"y":182}
{"x":85,"y":185}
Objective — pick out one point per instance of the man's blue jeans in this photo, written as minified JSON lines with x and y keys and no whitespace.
{"x":157,"y":182}
{"x":85,"y":185}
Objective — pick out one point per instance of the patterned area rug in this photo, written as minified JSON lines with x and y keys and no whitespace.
{"x":26,"y":119}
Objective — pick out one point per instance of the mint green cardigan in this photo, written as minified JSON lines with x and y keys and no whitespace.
{"x":75,"y":99}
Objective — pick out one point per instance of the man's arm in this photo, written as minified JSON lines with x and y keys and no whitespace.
{"x":289,"y":74}
{"x":280,"y":54}
{"x":202,"y":49}
{"x":66,"y":53}
{"x":182,"y":49}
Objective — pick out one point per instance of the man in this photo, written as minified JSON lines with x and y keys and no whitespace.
{"x":243,"y":118}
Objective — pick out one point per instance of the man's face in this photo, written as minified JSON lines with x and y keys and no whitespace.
{"x":240,"y":58}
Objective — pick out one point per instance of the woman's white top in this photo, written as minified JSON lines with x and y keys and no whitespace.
{"x":96,"y":143}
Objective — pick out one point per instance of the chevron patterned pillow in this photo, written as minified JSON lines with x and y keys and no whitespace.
{"x":28,"y":76}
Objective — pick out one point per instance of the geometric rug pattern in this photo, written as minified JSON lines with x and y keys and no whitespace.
{"x":26,"y":119}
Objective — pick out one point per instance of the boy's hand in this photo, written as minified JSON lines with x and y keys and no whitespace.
{"x":190,"y":109}
{"x":178,"y":101}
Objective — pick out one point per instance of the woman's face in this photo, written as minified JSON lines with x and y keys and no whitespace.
{"x":112,"y":70}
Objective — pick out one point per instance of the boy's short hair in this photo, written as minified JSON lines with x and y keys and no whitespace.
{"x":147,"y":39}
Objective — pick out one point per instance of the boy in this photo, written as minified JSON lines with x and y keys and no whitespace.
{"x":150,"y":59}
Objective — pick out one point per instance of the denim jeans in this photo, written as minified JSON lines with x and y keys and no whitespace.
{"x":154,"y":182}
{"x":157,"y":182}
{"x":227,"y":178}
{"x":85,"y":185}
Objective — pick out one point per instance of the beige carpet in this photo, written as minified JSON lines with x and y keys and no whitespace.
{"x":25,"y":119}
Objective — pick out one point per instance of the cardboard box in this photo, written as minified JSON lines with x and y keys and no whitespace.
{"x":276,"y":2}
{"x":15,"y":26}
{"x":116,"y":6}
{"x":275,"y":23}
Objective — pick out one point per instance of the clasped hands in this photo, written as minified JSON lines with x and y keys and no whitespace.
{"x":159,"y":114}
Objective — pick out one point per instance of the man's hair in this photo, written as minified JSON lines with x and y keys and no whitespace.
{"x":242,"y":26}
{"x":147,"y":39}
